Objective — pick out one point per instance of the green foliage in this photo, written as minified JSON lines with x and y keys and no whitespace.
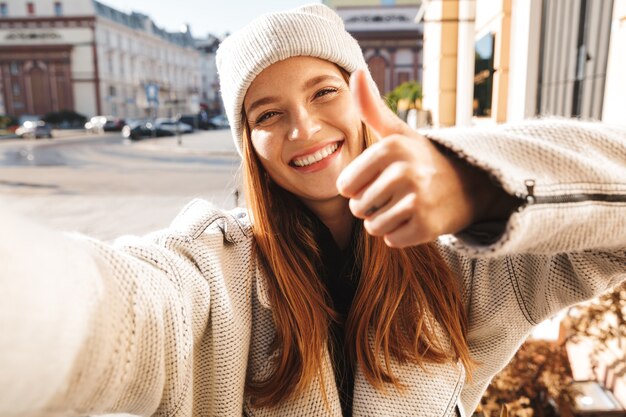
{"x":6,"y":121}
{"x":65,"y":118}
{"x":408,"y":92}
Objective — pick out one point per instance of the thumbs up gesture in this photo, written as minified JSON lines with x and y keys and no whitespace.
{"x":404,"y":187}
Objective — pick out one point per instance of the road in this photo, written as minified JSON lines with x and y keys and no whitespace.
{"x":106,"y":186}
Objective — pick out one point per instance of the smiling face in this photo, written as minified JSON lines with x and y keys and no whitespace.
{"x":303,"y":126}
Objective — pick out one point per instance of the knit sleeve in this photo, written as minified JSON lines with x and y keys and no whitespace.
{"x":571,"y":175}
{"x":92,"y":328}
{"x":564,"y":245}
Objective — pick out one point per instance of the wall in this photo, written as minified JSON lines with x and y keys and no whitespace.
{"x":129,"y":59}
{"x":359,"y":3}
{"x":440,"y":61}
{"x":614,"y":108}
{"x":45,"y":8}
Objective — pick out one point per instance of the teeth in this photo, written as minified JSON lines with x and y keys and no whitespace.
{"x":317,"y":156}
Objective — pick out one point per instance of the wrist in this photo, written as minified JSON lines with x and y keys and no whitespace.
{"x":485,"y":199}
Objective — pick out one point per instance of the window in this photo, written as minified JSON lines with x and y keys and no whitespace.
{"x":15,"y":69}
{"x":4,"y":11}
{"x":58,"y":8}
{"x":389,"y":2}
{"x":16,"y":89}
{"x":403,"y":77}
{"x":112,"y":91}
{"x":110,"y":63}
{"x":30,"y":8}
{"x":483,"y":75}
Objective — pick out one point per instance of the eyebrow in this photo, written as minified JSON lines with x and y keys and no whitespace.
{"x":308,"y":84}
{"x":316,"y":80}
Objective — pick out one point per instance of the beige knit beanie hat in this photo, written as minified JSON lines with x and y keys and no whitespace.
{"x":313,"y":30}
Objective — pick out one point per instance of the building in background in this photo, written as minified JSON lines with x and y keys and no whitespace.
{"x":85,"y":56}
{"x":210,"y":84}
{"x":390,"y":38}
{"x":495,"y":61}
{"x":507,"y":60}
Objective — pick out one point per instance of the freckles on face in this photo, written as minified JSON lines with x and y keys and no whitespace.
{"x":260,"y":142}
{"x":303,"y":125}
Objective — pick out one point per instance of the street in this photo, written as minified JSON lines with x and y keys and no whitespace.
{"x":106,"y":186}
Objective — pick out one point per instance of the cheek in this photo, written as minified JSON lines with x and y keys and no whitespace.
{"x":265,"y":146}
{"x":347,"y":116}
{"x":262,"y":144}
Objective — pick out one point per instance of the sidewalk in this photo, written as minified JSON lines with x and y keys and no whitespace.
{"x":201,"y":142}
{"x":56,"y":134}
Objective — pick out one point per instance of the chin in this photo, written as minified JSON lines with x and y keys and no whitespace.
{"x":327,"y":196}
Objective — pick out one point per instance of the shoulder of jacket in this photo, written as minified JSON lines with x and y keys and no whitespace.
{"x":200,"y":216}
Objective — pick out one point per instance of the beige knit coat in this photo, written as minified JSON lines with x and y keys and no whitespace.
{"x":171,"y":323}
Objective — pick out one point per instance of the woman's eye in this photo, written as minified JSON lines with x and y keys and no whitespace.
{"x":265,"y":116}
{"x":325,"y":91}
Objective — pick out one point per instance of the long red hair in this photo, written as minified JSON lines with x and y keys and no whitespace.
{"x":403,"y":296}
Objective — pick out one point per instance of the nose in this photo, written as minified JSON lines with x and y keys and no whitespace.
{"x":303,"y":125}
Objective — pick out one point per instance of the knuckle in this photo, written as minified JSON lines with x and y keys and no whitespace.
{"x":394,"y":241}
{"x":356,"y":208}
{"x":373,"y":228}
{"x":399,"y":171}
{"x":411,"y":203}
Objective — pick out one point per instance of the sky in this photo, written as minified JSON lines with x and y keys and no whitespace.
{"x":204,"y":16}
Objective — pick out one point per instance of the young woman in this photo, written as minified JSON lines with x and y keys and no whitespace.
{"x":376,"y":271}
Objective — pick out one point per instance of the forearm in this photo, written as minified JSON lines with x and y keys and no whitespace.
{"x":82,"y":325}
{"x":47,"y":289}
{"x":485,"y":196}
{"x":578,"y":195}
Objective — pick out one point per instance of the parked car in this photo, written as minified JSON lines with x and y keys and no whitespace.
{"x":99,"y":124}
{"x":219,"y":122}
{"x":113,"y":125}
{"x":96,"y":124}
{"x":173,"y":125}
{"x":138,"y":129}
{"x":193,"y":120}
{"x":34,"y":129}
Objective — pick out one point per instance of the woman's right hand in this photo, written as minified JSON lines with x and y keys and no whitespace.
{"x":405,"y":188}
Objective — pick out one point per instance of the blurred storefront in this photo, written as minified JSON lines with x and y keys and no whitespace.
{"x":492,"y":61}
{"x":496,"y":61}
{"x":85,"y":56}
{"x":390,"y":38}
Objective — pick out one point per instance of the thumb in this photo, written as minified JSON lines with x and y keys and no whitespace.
{"x":372,"y":109}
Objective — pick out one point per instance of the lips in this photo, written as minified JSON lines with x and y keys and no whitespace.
{"x":316,"y":156}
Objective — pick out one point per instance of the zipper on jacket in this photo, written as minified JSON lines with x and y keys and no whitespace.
{"x":531,"y":198}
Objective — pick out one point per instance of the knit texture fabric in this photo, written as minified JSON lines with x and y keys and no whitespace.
{"x":172,"y":324}
{"x":313,"y":30}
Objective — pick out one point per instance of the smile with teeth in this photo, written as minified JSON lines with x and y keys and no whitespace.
{"x":316,"y":157}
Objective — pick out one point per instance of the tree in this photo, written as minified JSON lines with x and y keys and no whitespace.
{"x":404,"y":96}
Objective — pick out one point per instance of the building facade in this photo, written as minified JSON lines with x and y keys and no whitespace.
{"x":496,"y":61}
{"x":390,"y":38}
{"x":85,"y":56}
{"x":505,"y":60}
{"x":210,"y":84}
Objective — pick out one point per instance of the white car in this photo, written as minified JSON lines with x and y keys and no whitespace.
{"x":96,"y":124}
{"x":173,"y":126}
{"x":34,"y":129}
